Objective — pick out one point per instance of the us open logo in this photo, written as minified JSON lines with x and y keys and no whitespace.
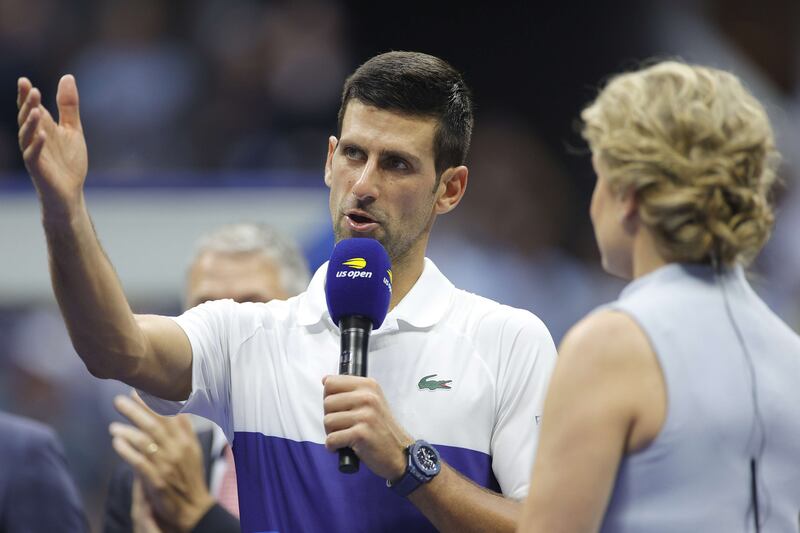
{"x":357,"y":263}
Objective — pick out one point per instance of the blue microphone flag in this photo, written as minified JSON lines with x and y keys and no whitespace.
{"x":359,"y":281}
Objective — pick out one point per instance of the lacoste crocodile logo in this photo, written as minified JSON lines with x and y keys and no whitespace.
{"x":432,"y":384}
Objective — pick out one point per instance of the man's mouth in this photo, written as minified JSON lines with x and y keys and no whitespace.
{"x":360,"y":221}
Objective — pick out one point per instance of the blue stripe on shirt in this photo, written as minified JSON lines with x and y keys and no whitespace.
{"x":287,"y":486}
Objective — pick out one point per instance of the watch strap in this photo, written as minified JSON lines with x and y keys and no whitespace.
{"x":413,"y":477}
{"x":406,"y":484}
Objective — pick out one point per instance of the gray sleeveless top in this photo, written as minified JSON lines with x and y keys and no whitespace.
{"x":695,"y":476}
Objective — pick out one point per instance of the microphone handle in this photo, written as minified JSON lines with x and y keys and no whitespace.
{"x":355,"y":331}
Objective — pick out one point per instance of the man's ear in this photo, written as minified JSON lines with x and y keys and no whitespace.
{"x":452,"y":185}
{"x":332,"y":143}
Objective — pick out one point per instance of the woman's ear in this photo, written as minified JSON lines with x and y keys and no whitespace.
{"x":629,"y":210}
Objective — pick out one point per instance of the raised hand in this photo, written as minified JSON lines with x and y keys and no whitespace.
{"x":54,"y":153}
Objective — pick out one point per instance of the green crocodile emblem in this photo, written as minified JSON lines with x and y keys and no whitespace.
{"x":432,"y":384}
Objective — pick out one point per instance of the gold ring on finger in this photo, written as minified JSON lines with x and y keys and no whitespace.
{"x":152,"y":448}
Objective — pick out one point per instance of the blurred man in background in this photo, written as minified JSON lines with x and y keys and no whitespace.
{"x":36,"y":491}
{"x":189,"y":482}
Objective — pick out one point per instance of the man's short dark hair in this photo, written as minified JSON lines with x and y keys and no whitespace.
{"x":419,"y":85}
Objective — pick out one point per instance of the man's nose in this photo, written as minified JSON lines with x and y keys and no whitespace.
{"x":365,"y":187}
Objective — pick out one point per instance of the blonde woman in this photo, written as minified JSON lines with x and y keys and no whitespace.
{"x":676,"y":407}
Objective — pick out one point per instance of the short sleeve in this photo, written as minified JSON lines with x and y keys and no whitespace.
{"x":527,"y":361}
{"x":213,"y":332}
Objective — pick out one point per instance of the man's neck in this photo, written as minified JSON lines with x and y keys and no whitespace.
{"x":405,"y":273}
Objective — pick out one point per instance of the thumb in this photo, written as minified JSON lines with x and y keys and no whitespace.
{"x":138,"y":500}
{"x":68,"y":103}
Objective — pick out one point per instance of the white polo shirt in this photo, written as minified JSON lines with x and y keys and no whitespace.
{"x":465,"y":373}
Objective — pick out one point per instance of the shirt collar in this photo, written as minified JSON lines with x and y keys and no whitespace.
{"x":423,"y":306}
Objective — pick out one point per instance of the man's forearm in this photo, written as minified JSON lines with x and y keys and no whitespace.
{"x":454,"y":503}
{"x":100,"y":322}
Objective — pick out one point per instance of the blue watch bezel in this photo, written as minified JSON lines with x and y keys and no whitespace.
{"x":415,"y":474}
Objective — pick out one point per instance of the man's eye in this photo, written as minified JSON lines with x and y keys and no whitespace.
{"x":395,"y":163}
{"x":351,"y":152}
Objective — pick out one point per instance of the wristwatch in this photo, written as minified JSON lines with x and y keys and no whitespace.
{"x":423,"y":464}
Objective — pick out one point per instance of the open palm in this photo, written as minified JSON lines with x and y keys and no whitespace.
{"x":54,"y":153}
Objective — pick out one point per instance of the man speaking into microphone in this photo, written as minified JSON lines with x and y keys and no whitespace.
{"x":445,"y":423}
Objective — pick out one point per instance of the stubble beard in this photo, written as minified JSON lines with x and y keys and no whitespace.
{"x":398,"y":246}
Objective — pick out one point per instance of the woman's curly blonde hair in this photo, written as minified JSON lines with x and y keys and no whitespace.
{"x":697,"y":151}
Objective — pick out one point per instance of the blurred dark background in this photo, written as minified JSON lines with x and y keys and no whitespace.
{"x":190,"y":106}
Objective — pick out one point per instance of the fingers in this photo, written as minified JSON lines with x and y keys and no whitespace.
{"x":138,"y":501}
{"x":136,"y":448}
{"x":31,"y":154}
{"x":349,"y":416}
{"x":351,"y":394}
{"x":28,"y":129}
{"x":23,"y":88}
{"x":346,"y":438}
{"x":137,"y":496}
{"x":142,"y":519}
{"x":68,"y":103}
{"x":138,"y":461}
{"x":346,"y":401}
{"x":337,"y":384}
{"x":139,"y":440}
{"x":334,"y":422}
{"x":147,"y":421}
{"x":32,"y":101}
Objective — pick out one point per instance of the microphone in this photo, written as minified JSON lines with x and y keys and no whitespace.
{"x":358,"y":288}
